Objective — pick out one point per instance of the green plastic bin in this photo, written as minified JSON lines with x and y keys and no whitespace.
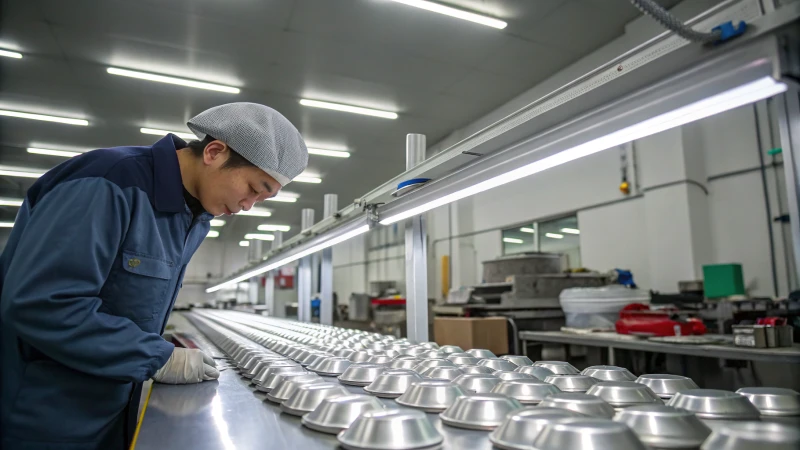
{"x":723,"y":280}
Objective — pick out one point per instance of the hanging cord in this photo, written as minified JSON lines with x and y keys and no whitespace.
{"x":670,"y":22}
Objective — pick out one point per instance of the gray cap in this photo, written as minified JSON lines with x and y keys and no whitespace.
{"x":258,"y":133}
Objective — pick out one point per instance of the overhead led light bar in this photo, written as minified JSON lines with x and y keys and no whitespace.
{"x":513,"y":240}
{"x":255,"y":212}
{"x":269,"y":227}
{"x":307,"y":179}
{"x":10,"y":54}
{"x":571,"y":230}
{"x":554,"y":235}
{"x":181,"y":134}
{"x":260,"y":237}
{"x":43,"y":117}
{"x":348,"y":108}
{"x":453,"y":12}
{"x":19,"y":172}
{"x":217,"y":223}
{"x":743,"y":95}
{"x":294,"y":257}
{"x":333,"y":153}
{"x":6,"y":224}
{"x":10,"y":202}
{"x":244,"y":243}
{"x":51,"y":152}
{"x":172,"y":80}
{"x":527,"y":230}
{"x":213,"y":234}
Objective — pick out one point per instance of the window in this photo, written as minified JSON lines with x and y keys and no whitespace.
{"x":560,"y":235}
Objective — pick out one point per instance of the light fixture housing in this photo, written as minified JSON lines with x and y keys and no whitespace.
{"x":52,"y":152}
{"x":307,"y":179}
{"x":454,"y":12}
{"x":44,"y":117}
{"x":554,"y":235}
{"x":509,"y":240}
{"x":283,"y":199}
{"x":571,"y":230}
{"x":10,"y":201}
{"x":260,"y":237}
{"x":172,"y":80}
{"x":6,"y":224}
{"x":255,"y":212}
{"x":332,"y":153}
{"x":10,"y":54}
{"x":270,"y":227}
{"x":21,"y":172}
{"x":158,"y":132}
{"x":527,"y":230}
{"x":348,"y":108}
{"x":217,"y":223}
{"x":244,"y":243}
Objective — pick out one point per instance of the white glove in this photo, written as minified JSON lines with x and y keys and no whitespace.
{"x":187,"y":366}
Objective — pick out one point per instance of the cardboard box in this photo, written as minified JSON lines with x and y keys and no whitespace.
{"x":472,"y":332}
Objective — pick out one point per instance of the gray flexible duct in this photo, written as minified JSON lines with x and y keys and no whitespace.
{"x":662,"y":16}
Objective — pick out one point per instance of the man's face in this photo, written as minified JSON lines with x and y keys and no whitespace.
{"x":230,"y":190}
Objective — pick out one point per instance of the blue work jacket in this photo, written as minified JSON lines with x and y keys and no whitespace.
{"x":90,"y":273}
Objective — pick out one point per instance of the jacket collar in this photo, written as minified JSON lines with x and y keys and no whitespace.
{"x":167,"y":183}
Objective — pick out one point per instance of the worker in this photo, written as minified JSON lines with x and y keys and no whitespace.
{"x":94,"y":263}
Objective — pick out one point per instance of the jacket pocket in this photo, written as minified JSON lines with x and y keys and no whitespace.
{"x":137,"y":286}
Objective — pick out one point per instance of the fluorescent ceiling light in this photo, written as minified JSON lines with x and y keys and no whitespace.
{"x":571,"y":230}
{"x":554,"y":235}
{"x":527,"y":230}
{"x":307,"y":179}
{"x":181,"y":134}
{"x":333,"y":153}
{"x":244,"y":243}
{"x":288,"y":259}
{"x":50,"y":152}
{"x":453,"y":12}
{"x":260,"y":237}
{"x":6,"y":224}
{"x":23,"y":173}
{"x":217,"y":222}
{"x":349,"y":108}
{"x":213,"y":234}
{"x":43,"y":117}
{"x":255,"y":212}
{"x":513,"y":241}
{"x":268,"y":227}
{"x":10,"y":54}
{"x":743,"y":95}
{"x":282,"y":198}
{"x":172,"y":80}
{"x":10,"y":202}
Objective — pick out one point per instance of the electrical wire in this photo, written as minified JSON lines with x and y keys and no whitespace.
{"x":672,"y":23}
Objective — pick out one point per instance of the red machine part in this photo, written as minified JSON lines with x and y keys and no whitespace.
{"x":638,"y":318}
{"x":391,"y":301}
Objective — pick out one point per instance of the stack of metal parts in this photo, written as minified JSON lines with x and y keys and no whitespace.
{"x":551,"y":405}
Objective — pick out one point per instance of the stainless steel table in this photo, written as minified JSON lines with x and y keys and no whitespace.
{"x":788,"y":355}
{"x":229,"y":414}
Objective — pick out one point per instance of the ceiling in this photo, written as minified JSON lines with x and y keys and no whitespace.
{"x":436,"y":72}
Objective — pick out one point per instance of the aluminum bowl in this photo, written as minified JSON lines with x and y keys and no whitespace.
{"x":395,"y":429}
{"x":361,"y":374}
{"x":588,"y":405}
{"x":519,"y":360}
{"x":463,"y":359}
{"x":558,"y":367}
{"x":521,"y":427}
{"x":414,"y":350}
{"x":289,"y":383}
{"x":263,"y":372}
{"x":497,"y":364}
{"x":430,"y":344}
{"x":432,"y":354}
{"x":481,"y":353}
{"x":432,"y":362}
{"x":609,"y":373}
{"x":572,"y":383}
{"x":587,"y":433}
{"x":754,"y":435}
{"x":268,"y":379}
{"x":310,"y":360}
{"x":442,"y":373}
{"x":479,"y":383}
{"x":664,"y":427}
{"x":344,"y":352}
{"x":335,"y":414}
{"x":527,"y":392}
{"x":406,"y":362}
{"x":392,"y":383}
{"x":431,"y":395}
{"x":715,"y":404}
{"x":474,"y":369}
{"x":506,"y":375}
{"x":773,"y":402}
{"x":331,"y":365}
{"x":535,"y":371}
{"x":667,"y":385}
{"x":265,"y":363}
{"x":307,"y":397}
{"x":361,"y":356}
{"x":379,"y":359}
{"x":622,"y":394}
{"x":479,"y":411}
{"x":449,"y":349}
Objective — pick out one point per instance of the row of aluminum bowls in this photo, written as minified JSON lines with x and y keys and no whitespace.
{"x":527,"y":405}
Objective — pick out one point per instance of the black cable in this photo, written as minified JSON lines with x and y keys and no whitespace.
{"x":672,"y":23}
{"x":765,"y":189}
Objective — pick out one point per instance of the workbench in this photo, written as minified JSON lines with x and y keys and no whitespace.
{"x":787,"y":355}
